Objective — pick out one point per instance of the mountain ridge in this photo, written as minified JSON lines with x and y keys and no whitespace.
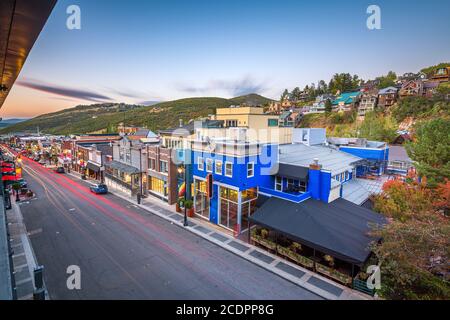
{"x":105,"y":117}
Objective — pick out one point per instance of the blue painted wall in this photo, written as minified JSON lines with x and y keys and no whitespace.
{"x":239,"y":179}
{"x":371,"y":154}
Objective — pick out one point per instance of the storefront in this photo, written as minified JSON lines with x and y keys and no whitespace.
{"x":93,"y":171}
{"x":122,"y":177}
{"x":232,"y":208}
{"x":157,"y":186}
{"x":201,"y":203}
{"x":235,"y":207}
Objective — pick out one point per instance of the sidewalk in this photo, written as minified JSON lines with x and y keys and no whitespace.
{"x":24,"y":260}
{"x":285,"y":269}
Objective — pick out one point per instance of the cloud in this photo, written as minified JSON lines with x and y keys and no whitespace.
{"x":64,"y":91}
{"x":232,"y":88}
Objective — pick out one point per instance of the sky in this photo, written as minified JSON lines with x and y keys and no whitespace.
{"x":141,"y":51}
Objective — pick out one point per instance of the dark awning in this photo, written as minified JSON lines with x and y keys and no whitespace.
{"x":340,"y":229}
{"x":93,"y":167}
{"x":122,"y":167}
{"x":292,"y":171}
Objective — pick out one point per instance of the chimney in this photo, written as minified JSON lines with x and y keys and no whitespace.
{"x":181,"y":123}
{"x":315,"y":165}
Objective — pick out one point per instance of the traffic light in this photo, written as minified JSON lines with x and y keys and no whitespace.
{"x":209,"y":185}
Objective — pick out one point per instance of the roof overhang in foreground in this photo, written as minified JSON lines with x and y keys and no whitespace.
{"x":340,"y":228}
{"x":21,"y":22}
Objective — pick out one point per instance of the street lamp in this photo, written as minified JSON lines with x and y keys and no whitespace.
{"x":182,"y":170}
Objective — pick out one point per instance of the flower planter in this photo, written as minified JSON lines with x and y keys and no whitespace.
{"x":334,"y":274}
{"x":177,"y":208}
{"x":190,"y":212}
{"x":288,"y":253}
{"x":264,"y":242}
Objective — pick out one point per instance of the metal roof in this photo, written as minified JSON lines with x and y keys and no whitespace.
{"x":398,"y":153}
{"x":330,"y":159}
{"x":355,"y":192}
{"x":340,"y":228}
{"x":21,"y":24}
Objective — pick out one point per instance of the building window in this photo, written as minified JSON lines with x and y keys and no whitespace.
{"x":278,"y":184}
{"x":302,"y":185}
{"x":209,"y":165}
{"x":121,"y":154}
{"x":152,"y":164}
{"x":218,"y":169}
{"x":200,"y":163}
{"x":272,"y":122}
{"x":228,"y":169}
{"x":163,"y":166}
{"x":290,"y":184}
{"x":250,"y":169}
{"x":231,"y":123}
{"x":128,"y":155}
{"x":157,"y":185}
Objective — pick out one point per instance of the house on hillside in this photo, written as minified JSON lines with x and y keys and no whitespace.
{"x":441,"y":75}
{"x":387,"y":97}
{"x":429,"y":88}
{"x":411,"y":88}
{"x":319,"y":105}
{"x":346,"y":101}
{"x":368,"y":102}
{"x":289,"y":118}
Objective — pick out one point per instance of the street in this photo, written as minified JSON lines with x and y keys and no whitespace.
{"x":125,"y":252}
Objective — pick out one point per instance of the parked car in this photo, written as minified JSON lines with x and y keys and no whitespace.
{"x":60,"y":170}
{"x":99,"y":188}
{"x":42,"y":161}
{"x":36,"y":159}
{"x":23,"y":183}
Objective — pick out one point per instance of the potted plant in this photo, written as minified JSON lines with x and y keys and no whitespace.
{"x":329,"y":259}
{"x":189,"y":205}
{"x":179,"y":205}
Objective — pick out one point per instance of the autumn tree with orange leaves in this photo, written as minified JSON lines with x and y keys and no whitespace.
{"x":415,"y":244}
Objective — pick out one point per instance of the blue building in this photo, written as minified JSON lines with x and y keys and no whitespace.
{"x":375,"y":154}
{"x":246,"y":173}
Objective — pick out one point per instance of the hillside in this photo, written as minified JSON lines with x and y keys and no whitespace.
{"x":382,"y":124}
{"x":9,"y":122}
{"x":96,"y":117}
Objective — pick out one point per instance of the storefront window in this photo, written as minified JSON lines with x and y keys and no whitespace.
{"x":229,"y":194}
{"x":157,"y":185}
{"x":249,"y":194}
{"x":201,"y":200}
{"x":229,"y":207}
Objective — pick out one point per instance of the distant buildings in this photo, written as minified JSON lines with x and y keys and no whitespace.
{"x":346,"y":101}
{"x":441,"y":75}
{"x":368,"y":102}
{"x":387,"y":97}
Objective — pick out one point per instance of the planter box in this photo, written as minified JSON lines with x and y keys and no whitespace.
{"x":264,"y":242}
{"x":288,"y":253}
{"x":332,"y":273}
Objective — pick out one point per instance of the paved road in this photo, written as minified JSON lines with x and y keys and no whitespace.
{"x":126,"y":253}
